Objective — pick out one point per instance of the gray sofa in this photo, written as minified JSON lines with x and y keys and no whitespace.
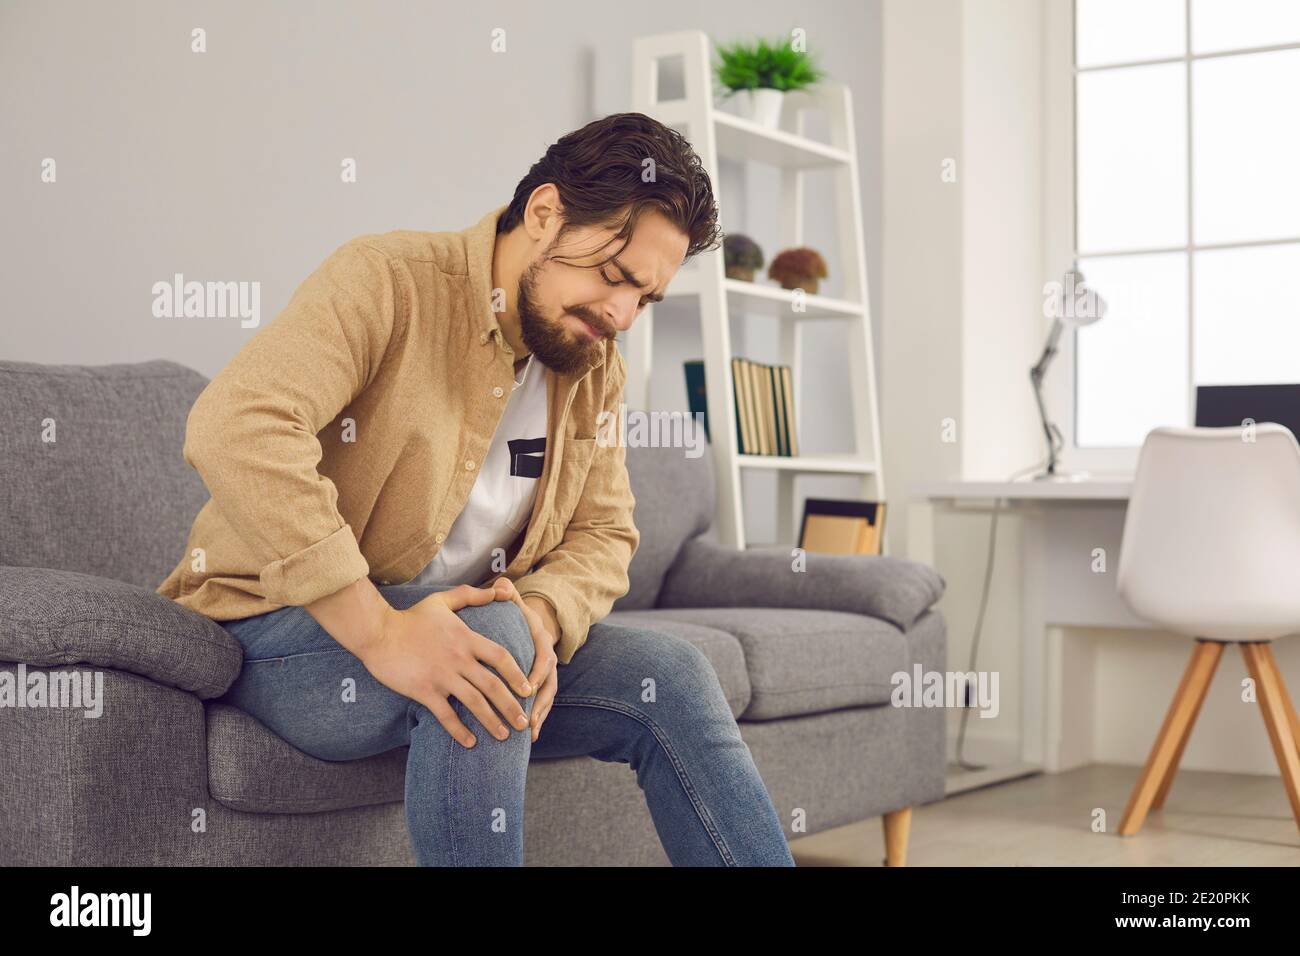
{"x":91,"y":522}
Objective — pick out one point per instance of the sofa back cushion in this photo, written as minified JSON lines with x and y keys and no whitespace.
{"x":111,"y":494}
{"x":674,"y":502}
{"x":91,"y":473}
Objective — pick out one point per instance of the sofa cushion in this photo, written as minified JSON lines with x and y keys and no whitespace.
{"x":674,"y":503}
{"x":110,"y":494}
{"x":51,"y":617}
{"x":251,"y":769}
{"x":708,"y":573}
{"x":803,"y":661}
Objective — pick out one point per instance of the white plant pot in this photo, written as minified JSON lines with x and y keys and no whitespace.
{"x":759,"y":106}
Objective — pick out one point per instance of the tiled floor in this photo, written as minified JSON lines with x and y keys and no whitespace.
{"x":1209,"y":819}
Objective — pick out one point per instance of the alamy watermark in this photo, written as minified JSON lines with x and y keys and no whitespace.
{"x":74,"y":690}
{"x":179,"y":299}
{"x":133,"y":911}
{"x":922,"y":688}
{"x":640,"y":429}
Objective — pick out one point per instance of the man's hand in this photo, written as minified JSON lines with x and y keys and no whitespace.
{"x":427,"y":653}
{"x":465,"y":676}
{"x":546,"y":630}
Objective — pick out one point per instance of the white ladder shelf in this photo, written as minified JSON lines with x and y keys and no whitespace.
{"x":715,"y":135}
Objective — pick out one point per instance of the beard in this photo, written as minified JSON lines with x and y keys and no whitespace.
{"x":555,"y":345}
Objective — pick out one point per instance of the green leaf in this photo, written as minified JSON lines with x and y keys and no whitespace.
{"x":764,"y":64}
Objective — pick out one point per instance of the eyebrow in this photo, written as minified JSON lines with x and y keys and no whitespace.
{"x":653,"y":297}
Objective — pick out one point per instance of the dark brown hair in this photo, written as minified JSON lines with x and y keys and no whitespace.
{"x":598,"y":171}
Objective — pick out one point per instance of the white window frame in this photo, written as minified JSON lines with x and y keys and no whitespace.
{"x":1059,"y":215}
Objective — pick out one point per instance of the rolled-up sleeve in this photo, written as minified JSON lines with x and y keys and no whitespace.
{"x":252,"y":433}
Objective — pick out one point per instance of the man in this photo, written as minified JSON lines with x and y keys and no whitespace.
{"x":414,"y":532}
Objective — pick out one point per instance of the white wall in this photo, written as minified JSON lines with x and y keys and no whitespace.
{"x":922,"y":367}
{"x":961,"y":279}
{"x":1001,"y":317}
{"x":225,"y":165}
{"x":962,"y":256}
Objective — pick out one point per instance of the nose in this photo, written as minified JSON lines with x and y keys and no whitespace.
{"x":620,"y":312}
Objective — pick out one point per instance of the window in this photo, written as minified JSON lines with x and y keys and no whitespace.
{"x":1186,"y":213}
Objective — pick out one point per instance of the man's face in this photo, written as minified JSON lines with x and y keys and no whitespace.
{"x":568,"y":307}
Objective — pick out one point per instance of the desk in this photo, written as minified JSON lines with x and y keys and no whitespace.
{"x":1061,"y":525}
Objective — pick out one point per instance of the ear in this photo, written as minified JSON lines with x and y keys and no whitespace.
{"x":544,"y":213}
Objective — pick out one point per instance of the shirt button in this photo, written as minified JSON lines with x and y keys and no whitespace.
{"x":438,"y":537}
{"x":483,"y":337}
{"x":498,"y":391}
{"x":469,"y":465}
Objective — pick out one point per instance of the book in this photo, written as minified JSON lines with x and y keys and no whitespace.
{"x":832,"y":526}
{"x":782,"y":444}
{"x":742,"y":418}
{"x":754,"y":446}
{"x":787,"y":395}
{"x":769,"y":408}
{"x":760,"y":412}
{"x":763,"y":397}
{"x":696,"y":397}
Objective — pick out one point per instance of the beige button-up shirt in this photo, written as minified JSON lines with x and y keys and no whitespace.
{"x":343,"y":440}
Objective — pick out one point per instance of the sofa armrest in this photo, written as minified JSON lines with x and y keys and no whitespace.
{"x":709,"y":574}
{"x":50,"y":617}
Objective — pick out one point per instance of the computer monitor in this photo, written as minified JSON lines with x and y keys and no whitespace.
{"x":1222,"y":405}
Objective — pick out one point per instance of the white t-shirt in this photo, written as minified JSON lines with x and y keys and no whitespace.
{"x":501,"y":501}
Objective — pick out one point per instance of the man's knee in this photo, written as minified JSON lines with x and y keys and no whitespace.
{"x":674,"y":665}
{"x":502,"y":622}
{"x":674,"y":689}
{"x":686,"y":660}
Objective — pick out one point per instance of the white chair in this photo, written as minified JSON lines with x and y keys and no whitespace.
{"x":1211,"y":549}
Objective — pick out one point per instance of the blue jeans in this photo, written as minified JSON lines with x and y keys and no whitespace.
{"x":630,"y":695}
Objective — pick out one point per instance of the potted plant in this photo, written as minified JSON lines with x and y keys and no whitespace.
{"x":756,"y":76}
{"x":741,"y":256}
{"x":798,"y":269}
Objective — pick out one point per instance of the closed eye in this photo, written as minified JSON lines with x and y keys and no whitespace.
{"x":645,"y":299}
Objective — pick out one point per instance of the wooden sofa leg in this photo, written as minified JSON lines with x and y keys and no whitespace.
{"x":897,"y":826}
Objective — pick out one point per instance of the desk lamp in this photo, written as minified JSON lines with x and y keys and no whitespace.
{"x":1066,"y":303}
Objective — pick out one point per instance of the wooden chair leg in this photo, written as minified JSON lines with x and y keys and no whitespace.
{"x":1215,"y":654}
{"x":1267,"y":650}
{"x":1172,"y":736}
{"x":1272,"y":696}
{"x":897,"y":825}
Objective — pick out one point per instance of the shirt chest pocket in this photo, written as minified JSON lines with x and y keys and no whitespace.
{"x":575,"y":463}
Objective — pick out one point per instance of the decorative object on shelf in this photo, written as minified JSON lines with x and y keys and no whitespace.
{"x":741,"y":256}
{"x":798,"y":269}
{"x":756,"y":75}
{"x":1074,"y":303}
{"x":835,"y":526}
{"x":764,"y":403}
